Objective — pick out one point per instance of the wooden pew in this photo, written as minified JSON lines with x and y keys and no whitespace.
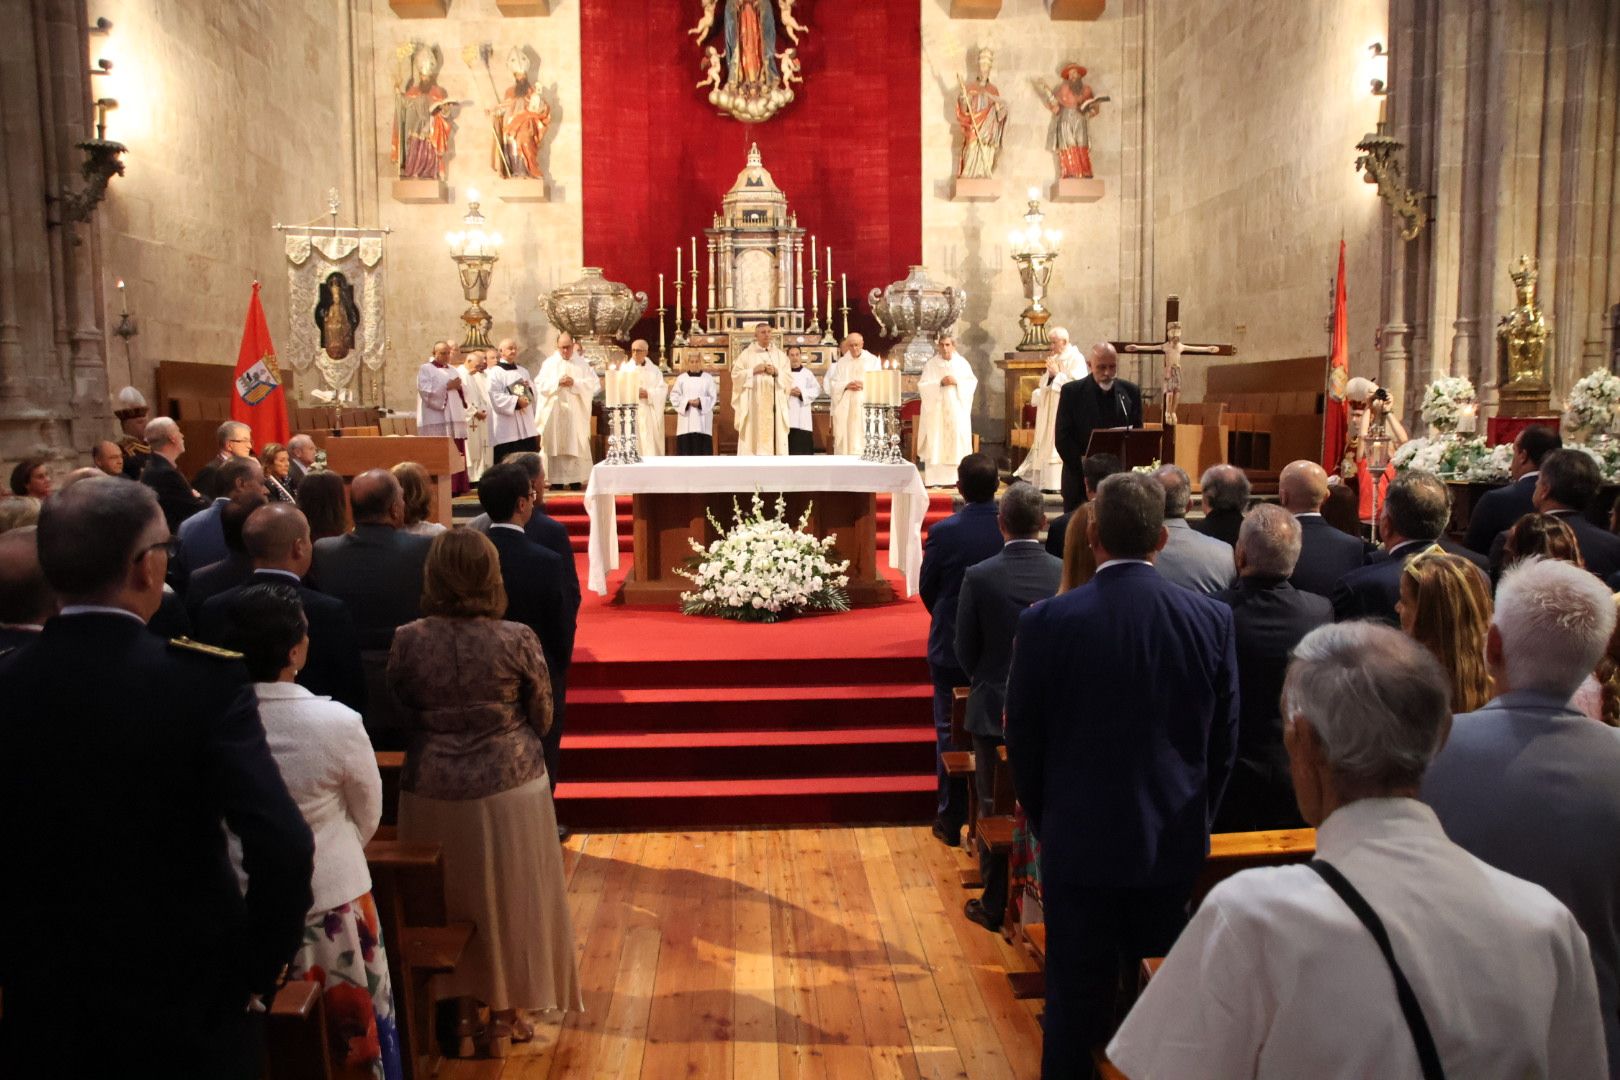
{"x":390,"y":764}
{"x":1231,"y":852}
{"x":296,"y":1044}
{"x":959,"y":765}
{"x":407,"y":882}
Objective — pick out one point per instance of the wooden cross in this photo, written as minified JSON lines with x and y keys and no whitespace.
{"x":1172,"y":348}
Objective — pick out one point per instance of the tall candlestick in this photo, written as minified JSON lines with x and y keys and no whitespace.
{"x":798,"y":273}
{"x":711,"y":276}
{"x":829,"y":306}
{"x":694,"y":283}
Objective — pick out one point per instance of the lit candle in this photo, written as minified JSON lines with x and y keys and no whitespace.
{"x":677,"y":262}
{"x":843,"y":280}
{"x":123,"y":303}
{"x":829,"y":274}
{"x":1468,"y":420}
{"x":660,"y":292}
{"x":814,"y":265}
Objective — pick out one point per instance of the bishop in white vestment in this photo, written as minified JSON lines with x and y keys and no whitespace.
{"x":475,"y":384}
{"x":650,"y":408}
{"x":847,"y":389}
{"x":760,"y":380}
{"x":945,"y":426}
{"x":565,"y":386}
{"x":441,"y":407}
{"x":1043,"y":467}
{"x":512,"y":407}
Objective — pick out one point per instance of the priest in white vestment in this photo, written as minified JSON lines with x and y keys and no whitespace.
{"x":475,"y":384}
{"x":760,"y":381}
{"x":565,"y":386}
{"x":650,"y":407}
{"x":945,"y":426}
{"x":847,"y":390}
{"x":512,"y":427}
{"x":1043,"y":467}
{"x":441,"y":407}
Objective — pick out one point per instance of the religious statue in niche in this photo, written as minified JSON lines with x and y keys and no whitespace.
{"x":748,"y":78}
{"x":1073,"y":105}
{"x":982,"y":116}
{"x":421,"y":114}
{"x":336,"y":315}
{"x":521,"y":120}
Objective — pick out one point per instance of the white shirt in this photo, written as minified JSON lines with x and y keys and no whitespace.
{"x":508,"y":423}
{"x":1276,"y":977}
{"x":688,"y":390}
{"x":330,"y":769}
{"x":799,"y":410}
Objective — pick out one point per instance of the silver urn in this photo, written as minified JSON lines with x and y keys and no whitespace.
{"x":597,"y":312}
{"x":916,"y":309}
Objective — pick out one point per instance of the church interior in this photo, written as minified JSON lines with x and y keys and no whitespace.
{"x":860,"y":260}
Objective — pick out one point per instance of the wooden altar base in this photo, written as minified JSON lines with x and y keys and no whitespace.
{"x":664,"y":523}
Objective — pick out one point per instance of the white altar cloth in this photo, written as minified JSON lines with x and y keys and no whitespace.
{"x":817,"y":472}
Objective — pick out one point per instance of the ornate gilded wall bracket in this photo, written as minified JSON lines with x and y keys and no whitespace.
{"x":1380,"y":161}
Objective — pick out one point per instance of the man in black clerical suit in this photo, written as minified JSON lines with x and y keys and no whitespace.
{"x":1100,"y":400}
{"x":121,"y":756}
{"x":538,"y":594}
{"x":276,"y":538}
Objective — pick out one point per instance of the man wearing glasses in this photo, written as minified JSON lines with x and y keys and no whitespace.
{"x":234,"y":439}
{"x":112,"y":790}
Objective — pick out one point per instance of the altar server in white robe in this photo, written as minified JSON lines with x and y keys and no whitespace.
{"x":803,"y":392}
{"x":1043,"y":467}
{"x":692,"y":397}
{"x":475,"y":384}
{"x":441,"y":406}
{"x":565,"y":386}
{"x":760,"y":381}
{"x":650,"y":410}
{"x":945,"y":426}
{"x":511,"y":401}
{"x":846,"y":387}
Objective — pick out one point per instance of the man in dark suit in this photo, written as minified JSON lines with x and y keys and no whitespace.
{"x":300,"y":459}
{"x":120,"y":757}
{"x":1269,"y":617}
{"x":376,"y":571}
{"x":202,"y":538}
{"x":276,"y":538}
{"x":1225,"y":495}
{"x":968,"y":536}
{"x":26,"y":599}
{"x":1122,"y":711}
{"x":538,"y":590}
{"x":1100,"y":400}
{"x":211,"y":580}
{"x":232,"y":439}
{"x":994,"y":593}
{"x":1497,"y":510}
{"x":1097,"y":468}
{"x":174,"y":493}
{"x":1413,"y":519}
{"x":1326,"y":554}
{"x":541,"y":527}
{"x":1565,"y":487}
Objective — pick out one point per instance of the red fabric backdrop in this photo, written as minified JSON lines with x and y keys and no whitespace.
{"x":658,"y":157}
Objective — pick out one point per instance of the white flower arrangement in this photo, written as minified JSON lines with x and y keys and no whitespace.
{"x":1444,"y":401}
{"x":1593,"y":407}
{"x":764,"y":569}
{"x":1451,"y":458}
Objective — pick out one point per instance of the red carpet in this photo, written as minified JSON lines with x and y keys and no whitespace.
{"x":682,"y":721}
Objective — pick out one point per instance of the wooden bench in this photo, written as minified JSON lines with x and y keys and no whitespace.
{"x":390,"y":765}
{"x":959,"y":765}
{"x":296,"y":1044}
{"x":407,"y":882}
{"x":1230,"y":853}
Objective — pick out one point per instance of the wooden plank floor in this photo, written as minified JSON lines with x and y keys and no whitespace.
{"x":837,"y":953}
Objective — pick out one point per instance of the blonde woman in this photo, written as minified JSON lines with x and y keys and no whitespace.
{"x":1445,"y":606}
{"x":417,"y":486}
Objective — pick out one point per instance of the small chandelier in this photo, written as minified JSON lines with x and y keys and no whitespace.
{"x":475,"y":253}
{"x":1034,"y":249}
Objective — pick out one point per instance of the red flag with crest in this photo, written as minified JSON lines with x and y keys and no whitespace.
{"x":1336,"y":422}
{"x":259,"y":400}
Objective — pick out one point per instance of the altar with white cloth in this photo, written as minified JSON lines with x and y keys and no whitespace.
{"x":671,"y":497}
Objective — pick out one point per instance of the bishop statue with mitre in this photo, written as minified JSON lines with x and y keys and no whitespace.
{"x":945,"y":425}
{"x":847,"y":387}
{"x":760,"y":380}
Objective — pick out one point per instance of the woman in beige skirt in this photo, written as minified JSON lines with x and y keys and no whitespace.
{"x":477,"y":697}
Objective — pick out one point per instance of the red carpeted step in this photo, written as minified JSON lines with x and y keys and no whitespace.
{"x":686,"y":755}
{"x":746,"y":801}
{"x":743,"y":708}
{"x":863,"y":673}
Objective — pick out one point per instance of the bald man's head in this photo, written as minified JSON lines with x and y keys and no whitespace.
{"x":375,"y":498}
{"x":1303,"y":487}
{"x":108,"y":458}
{"x":26,"y":598}
{"x":273,"y":530}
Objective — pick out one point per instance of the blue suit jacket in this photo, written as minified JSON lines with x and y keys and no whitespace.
{"x":1532,"y":787}
{"x":994,"y":594}
{"x":968,"y":536}
{"x":1122,"y":713}
{"x":1497,"y":510}
{"x":1373,"y":591}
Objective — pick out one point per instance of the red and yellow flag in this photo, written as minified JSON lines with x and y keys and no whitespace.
{"x":1336,"y":422}
{"x":259,"y":400}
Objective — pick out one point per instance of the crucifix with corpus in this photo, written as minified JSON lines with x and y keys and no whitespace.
{"x":1172,"y":348}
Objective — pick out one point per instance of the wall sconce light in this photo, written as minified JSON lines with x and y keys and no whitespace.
{"x":126,"y":327}
{"x":102,"y":156}
{"x":1380,"y":163}
{"x":1379,"y":61}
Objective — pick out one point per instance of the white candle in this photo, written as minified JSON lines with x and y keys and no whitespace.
{"x":660,"y":291}
{"x":843,"y":280}
{"x":829,"y":276}
{"x":814,"y":265}
{"x":677,"y":262}
{"x":1468,"y":420}
{"x":694,"y":278}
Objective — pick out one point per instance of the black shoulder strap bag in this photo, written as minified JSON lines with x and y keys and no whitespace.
{"x":1428,"y":1056}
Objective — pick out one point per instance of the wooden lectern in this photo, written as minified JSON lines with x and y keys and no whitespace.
{"x":351,"y":455}
{"x":1133,"y":446}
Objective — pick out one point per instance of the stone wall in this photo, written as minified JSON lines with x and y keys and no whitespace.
{"x":966,"y":242}
{"x":234,"y":122}
{"x":542,"y":240}
{"x":1255,"y":110}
